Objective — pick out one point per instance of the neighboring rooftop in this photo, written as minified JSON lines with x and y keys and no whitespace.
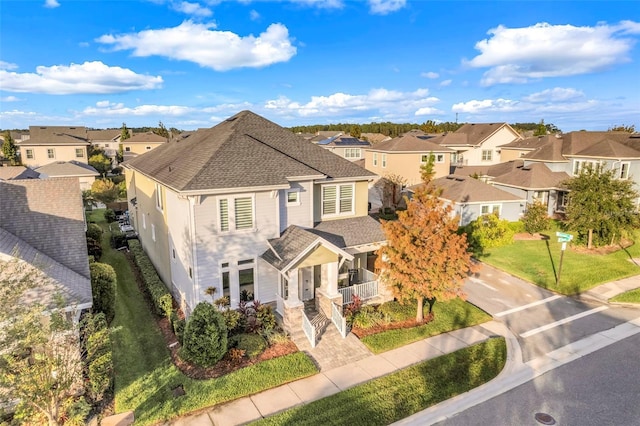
{"x":465,"y":189}
{"x":533,"y":176}
{"x":473,"y":134}
{"x":17,"y":172}
{"x":245,"y":150}
{"x":56,"y":135}
{"x":145,"y":137}
{"x":412,"y":142}
{"x":104,"y":135}
{"x":67,"y":169}
{"x":615,"y":145}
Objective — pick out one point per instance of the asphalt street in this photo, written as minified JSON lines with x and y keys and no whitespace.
{"x":601,"y":388}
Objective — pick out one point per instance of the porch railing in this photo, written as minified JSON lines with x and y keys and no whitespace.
{"x":364,"y":291}
{"x":338,"y":320}
{"x":309,"y":330}
{"x":279,"y":304}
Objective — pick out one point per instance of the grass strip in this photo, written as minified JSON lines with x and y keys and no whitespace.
{"x":144,"y":373}
{"x":448,"y":316}
{"x":631,"y":296}
{"x":398,"y":395}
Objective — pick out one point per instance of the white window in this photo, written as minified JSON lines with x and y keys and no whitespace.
{"x":246,"y":280}
{"x":541,"y":196}
{"x":579,"y":165}
{"x":621,"y":170}
{"x":30,"y":154}
{"x":489,"y":209}
{"x":79,"y":152}
{"x":337,"y":199}
{"x":153,"y":232}
{"x":487,"y":155}
{"x":224,"y":275}
{"x":375,"y":159}
{"x":144,"y":221}
{"x":51,"y":153}
{"x":293,"y":197}
{"x":384,"y":160}
{"x":561,"y":204}
{"x":159,"y":198}
{"x":235,"y":213}
{"x":438,"y":158}
{"x":352,"y":153}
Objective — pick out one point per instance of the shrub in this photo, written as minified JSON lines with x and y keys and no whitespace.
{"x":103,"y":287}
{"x":118,"y":239}
{"x":94,"y":231}
{"x":394,"y":311}
{"x":109,"y":215}
{"x":266,"y":318}
{"x":94,"y":248}
{"x":252,"y":344}
{"x":517,"y":227}
{"x":367,"y":317}
{"x":233,"y":320}
{"x":535,"y":219}
{"x":205,"y":336}
{"x":178,"y":325}
{"x":99,"y":363}
{"x":489,"y":231}
{"x":160,"y":296}
{"x":236,"y":355}
{"x":100,"y":376}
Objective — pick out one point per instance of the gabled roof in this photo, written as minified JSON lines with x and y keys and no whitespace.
{"x":17,"y":172}
{"x":345,"y":141}
{"x":56,"y":135}
{"x":375,"y":138}
{"x":73,"y":287}
{"x":412,"y":142}
{"x":608,"y":149}
{"x":48,"y":215}
{"x":145,"y":137}
{"x":550,"y":151}
{"x":535,"y":176}
{"x":245,"y":150}
{"x":352,"y":232}
{"x":472,"y":134}
{"x":492,"y":171}
{"x":528,"y":144}
{"x":558,"y":148}
{"x":464,"y":189}
{"x":67,"y":169}
{"x":104,"y":135}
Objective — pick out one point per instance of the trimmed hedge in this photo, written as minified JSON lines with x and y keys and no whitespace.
{"x":103,"y":287}
{"x":160,"y":295}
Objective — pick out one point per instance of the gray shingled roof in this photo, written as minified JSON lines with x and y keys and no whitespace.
{"x":608,"y":149}
{"x":492,"y":171}
{"x":145,"y":137}
{"x":293,"y":241}
{"x":67,"y":168}
{"x":533,"y":176}
{"x":528,"y":143}
{"x":243,"y":151}
{"x":56,"y":135}
{"x":412,"y":142}
{"x":472,"y":134}
{"x":17,"y":172}
{"x":345,"y":233}
{"x":588,"y":144}
{"x":74,"y":288}
{"x":463,"y":189}
{"x":103,"y":135}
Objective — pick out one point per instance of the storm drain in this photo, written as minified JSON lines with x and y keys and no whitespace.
{"x":545,"y":419}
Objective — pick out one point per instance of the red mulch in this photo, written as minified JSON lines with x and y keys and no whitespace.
{"x":226,"y":365}
{"x":363,"y":332}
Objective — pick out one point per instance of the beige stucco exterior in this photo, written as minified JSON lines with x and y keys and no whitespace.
{"x":341,"y":151}
{"x":405,"y":164}
{"x":137,"y":148}
{"x":512,"y":154}
{"x":40,"y":156}
{"x":473,"y":155}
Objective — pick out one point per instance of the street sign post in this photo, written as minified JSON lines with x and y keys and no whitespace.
{"x":563,"y":238}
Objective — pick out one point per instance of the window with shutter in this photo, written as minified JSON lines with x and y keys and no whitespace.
{"x":244,"y":213}
{"x":346,"y":198}
{"x":224,"y":215}
{"x":329,"y":200}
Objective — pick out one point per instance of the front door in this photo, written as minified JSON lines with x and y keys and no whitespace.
{"x":306,"y":284}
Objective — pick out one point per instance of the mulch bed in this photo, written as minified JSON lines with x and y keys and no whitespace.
{"x":226,"y":365}
{"x":363,"y":332}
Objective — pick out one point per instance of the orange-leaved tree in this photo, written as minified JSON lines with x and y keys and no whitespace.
{"x":425,"y":257}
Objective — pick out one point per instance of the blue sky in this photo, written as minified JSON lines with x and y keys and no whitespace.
{"x":191,"y":64}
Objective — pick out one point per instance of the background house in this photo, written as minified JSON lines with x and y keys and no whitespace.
{"x":108,"y":140}
{"x":47,"y":144}
{"x":479,"y":144}
{"x":141,"y":143}
{"x":348,"y":147}
{"x":85,"y":174}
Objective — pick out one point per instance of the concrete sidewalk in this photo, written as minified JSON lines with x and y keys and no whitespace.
{"x":515,"y":372}
{"x":251,"y":408}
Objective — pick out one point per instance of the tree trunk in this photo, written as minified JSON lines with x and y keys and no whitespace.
{"x":590,"y":239}
{"x":432,"y":302}
{"x":419,"y":313}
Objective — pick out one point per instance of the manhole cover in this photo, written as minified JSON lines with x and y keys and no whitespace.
{"x":545,"y":419}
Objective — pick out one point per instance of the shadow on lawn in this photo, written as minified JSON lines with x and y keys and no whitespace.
{"x":546,"y":239}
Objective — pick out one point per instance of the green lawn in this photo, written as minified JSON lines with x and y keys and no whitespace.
{"x":448,"y":316}
{"x":144,"y":373}
{"x":398,"y":395}
{"x":538,"y":262}
{"x":632,"y":296}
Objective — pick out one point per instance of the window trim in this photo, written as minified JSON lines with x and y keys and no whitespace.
{"x":79,"y":151}
{"x":375,"y":159}
{"x":144,"y":221}
{"x":225,"y":269}
{"x":159,"y":198}
{"x":578,"y":165}
{"x":337,"y":200}
{"x":153,"y":232}
{"x":51,"y":153}
{"x":353,"y":153}
{"x":231,"y":213}
{"x":296,"y":202}
{"x":245,"y":265}
{"x":487,"y":155}
{"x":438,"y":158}
{"x":491,"y":209}
{"x":127,"y":149}
{"x":620,"y":170}
{"x":384,"y":161}
{"x":30,"y":154}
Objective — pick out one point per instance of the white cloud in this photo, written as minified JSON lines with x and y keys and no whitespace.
{"x":322,"y":4}
{"x":338,"y":105}
{"x":430,"y":74}
{"x":475,"y":106}
{"x":90,"y":77}
{"x":189,"y":8}
{"x":106,"y":108}
{"x":427,"y":111}
{"x":556,"y":94}
{"x":10,"y":99}
{"x":220,"y":50}
{"x":445,"y":83}
{"x":254,"y":15}
{"x":51,"y":4}
{"x":384,"y":7}
{"x":7,"y":66}
{"x":517,"y":55}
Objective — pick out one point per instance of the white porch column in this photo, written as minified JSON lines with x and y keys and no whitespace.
{"x":330,"y":274}
{"x":294,"y":297}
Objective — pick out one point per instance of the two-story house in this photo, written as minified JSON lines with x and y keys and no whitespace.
{"x":252,"y":210}
{"x":141,"y":143}
{"x":108,"y":140}
{"x":477,"y":144}
{"x":47,"y":144}
{"x":405,"y":155}
{"x":348,"y":147}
